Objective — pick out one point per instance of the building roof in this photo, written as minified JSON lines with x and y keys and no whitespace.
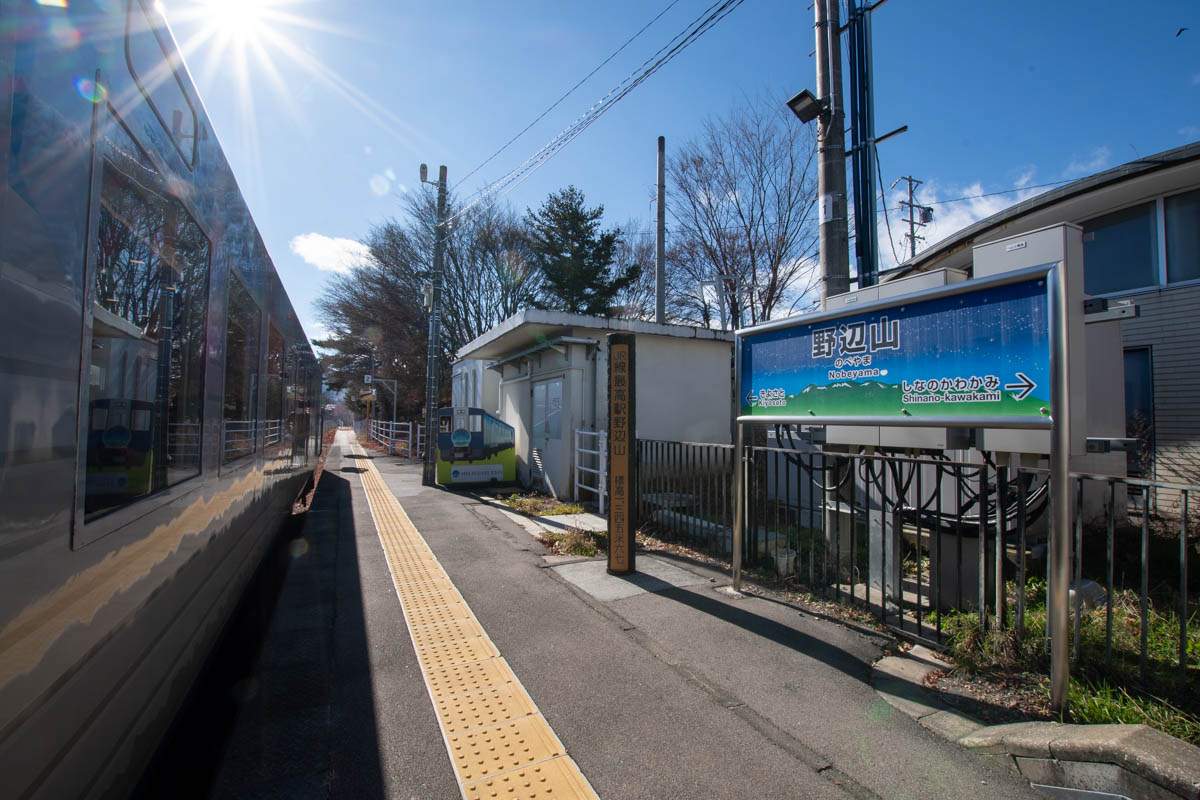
{"x":531,"y":326}
{"x":1119,"y":187}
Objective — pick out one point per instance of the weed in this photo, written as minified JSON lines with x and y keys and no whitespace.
{"x":1102,"y":703}
{"x":540,"y":505}
{"x":575,"y":542}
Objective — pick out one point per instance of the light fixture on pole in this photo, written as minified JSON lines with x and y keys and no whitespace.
{"x":807,"y":107}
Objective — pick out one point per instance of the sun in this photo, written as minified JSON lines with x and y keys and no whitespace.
{"x":239,"y":22}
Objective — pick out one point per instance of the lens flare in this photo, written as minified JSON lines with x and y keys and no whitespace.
{"x":380,"y":185}
{"x":90,"y":90}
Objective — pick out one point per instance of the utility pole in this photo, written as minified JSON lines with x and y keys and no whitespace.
{"x":660,"y":238}
{"x":831,"y":147}
{"x":429,"y":470}
{"x":918,"y":216}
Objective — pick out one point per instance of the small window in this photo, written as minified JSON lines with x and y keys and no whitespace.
{"x":1120,"y":250}
{"x":547,"y":408}
{"x":146,"y":365}
{"x":156,"y":74}
{"x":476,"y":423}
{"x":1183,"y":236}
{"x":240,"y":435}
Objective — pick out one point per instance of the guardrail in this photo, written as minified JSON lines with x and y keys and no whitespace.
{"x":237,"y":438}
{"x":183,"y":444}
{"x":917,"y":540}
{"x":399,"y":437}
{"x":596,"y":458}
{"x":272,"y":432}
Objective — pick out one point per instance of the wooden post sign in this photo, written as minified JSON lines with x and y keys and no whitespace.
{"x":622,"y":455}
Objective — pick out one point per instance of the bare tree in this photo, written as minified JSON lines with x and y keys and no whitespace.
{"x":376,"y":313}
{"x":743,"y":202}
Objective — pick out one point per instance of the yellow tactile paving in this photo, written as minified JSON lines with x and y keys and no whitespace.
{"x":503,"y":747}
{"x":463,"y":712}
{"x":497,"y":740}
{"x":558,"y":777}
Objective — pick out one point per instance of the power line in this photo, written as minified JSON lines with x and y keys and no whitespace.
{"x":556,"y":103}
{"x":697,"y":28}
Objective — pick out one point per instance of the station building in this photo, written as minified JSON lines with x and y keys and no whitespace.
{"x":545,"y":373}
{"x":1141,"y":224}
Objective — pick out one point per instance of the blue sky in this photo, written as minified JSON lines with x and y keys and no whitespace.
{"x":325,"y":108}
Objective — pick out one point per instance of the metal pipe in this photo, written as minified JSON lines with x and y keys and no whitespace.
{"x":660,"y":238}
{"x":1060,"y":490}
{"x":831,"y":146}
{"x":739,"y":477}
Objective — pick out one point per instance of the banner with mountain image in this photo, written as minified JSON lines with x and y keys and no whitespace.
{"x":977,"y":354}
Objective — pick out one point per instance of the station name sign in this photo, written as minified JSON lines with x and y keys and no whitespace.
{"x":982,"y":353}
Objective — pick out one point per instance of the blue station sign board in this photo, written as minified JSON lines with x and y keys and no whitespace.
{"x":978,"y":353}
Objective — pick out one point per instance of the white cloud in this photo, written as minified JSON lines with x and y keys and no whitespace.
{"x":1088,"y":164}
{"x":967,"y":205}
{"x":333,"y":254}
{"x":1190,"y":132}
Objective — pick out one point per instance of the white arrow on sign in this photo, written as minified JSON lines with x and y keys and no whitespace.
{"x":1023,"y":388}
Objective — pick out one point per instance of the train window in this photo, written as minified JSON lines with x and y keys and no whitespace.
{"x":275,"y":427}
{"x":476,"y":423}
{"x":146,"y":367}
{"x":240,"y":424}
{"x":156,"y":74}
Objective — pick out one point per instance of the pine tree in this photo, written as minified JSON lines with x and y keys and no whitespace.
{"x":575,"y":256}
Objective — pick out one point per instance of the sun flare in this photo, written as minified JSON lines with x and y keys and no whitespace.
{"x":238,"y":21}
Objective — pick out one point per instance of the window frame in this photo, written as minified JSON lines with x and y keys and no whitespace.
{"x":83,"y":531}
{"x":188,"y":160}
{"x":228,"y":466}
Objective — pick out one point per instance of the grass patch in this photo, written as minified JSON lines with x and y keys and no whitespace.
{"x":575,"y":542}
{"x":1097,"y":695}
{"x":540,"y":505}
{"x":1100,"y":703}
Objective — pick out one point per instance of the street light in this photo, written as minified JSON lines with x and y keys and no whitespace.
{"x":429,"y":468}
{"x":807,"y":107}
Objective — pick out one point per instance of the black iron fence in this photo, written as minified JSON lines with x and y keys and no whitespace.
{"x":929,"y":544}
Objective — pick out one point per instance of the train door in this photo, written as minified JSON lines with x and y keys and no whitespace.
{"x":546,"y":458}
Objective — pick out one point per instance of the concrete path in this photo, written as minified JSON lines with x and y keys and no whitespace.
{"x":658,"y":686}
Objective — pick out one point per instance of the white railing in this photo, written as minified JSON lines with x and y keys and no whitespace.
{"x":597,"y":456}
{"x":183,"y":444}
{"x":272,"y":432}
{"x":398,"y":437}
{"x":237,"y":438}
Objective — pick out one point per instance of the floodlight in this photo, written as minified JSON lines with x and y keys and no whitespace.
{"x":807,"y":107}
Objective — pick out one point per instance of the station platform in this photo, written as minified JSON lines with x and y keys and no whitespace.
{"x":424,"y":645}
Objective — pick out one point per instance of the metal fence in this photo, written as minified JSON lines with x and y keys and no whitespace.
{"x":238,"y":438}
{"x":591,"y":465}
{"x":919,"y":541}
{"x":183,"y":444}
{"x":400,"y":438}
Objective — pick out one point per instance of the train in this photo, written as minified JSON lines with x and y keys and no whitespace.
{"x":474,"y":447}
{"x":159,"y":401}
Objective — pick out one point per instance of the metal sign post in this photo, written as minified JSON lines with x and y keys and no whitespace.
{"x":622,"y":455}
{"x":990,"y":353}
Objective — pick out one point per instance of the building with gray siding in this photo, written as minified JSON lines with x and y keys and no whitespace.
{"x":1141,"y":225}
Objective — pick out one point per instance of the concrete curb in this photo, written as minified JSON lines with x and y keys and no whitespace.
{"x":1132,"y":760}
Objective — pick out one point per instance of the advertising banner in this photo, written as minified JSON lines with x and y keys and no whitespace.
{"x":984,"y":353}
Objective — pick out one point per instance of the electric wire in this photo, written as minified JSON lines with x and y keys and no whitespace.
{"x":497,"y":190}
{"x":883,"y":194}
{"x":566,"y":94}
